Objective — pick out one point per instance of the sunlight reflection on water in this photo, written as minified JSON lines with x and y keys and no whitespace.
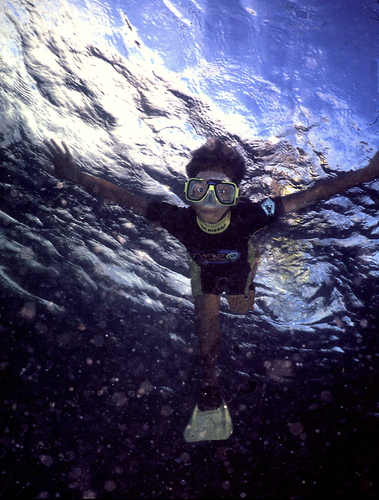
{"x":131,"y":119}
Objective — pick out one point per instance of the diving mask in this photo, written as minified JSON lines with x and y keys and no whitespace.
{"x":225,"y":192}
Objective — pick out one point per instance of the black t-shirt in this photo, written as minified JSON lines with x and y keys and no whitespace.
{"x":223,"y":256}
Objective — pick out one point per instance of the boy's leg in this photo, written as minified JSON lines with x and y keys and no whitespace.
{"x":207,"y":309}
{"x":210,"y":419}
{"x":240,"y":304}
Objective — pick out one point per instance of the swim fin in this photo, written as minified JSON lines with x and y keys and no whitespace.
{"x":209,"y":425}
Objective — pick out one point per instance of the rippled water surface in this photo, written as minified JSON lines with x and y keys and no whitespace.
{"x":98,"y":363}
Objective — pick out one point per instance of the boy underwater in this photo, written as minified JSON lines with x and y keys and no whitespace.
{"x":216,"y":230}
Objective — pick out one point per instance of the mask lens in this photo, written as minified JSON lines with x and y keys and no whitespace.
{"x":196,"y":189}
{"x":226,"y":193}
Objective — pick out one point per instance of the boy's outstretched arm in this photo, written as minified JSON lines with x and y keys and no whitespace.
{"x":329,"y":187}
{"x":65,"y":168}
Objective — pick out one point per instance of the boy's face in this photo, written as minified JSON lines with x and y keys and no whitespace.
{"x":209,"y":210}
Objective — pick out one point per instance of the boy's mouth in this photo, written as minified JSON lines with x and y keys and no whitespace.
{"x":211,"y":215}
{"x":208,"y":210}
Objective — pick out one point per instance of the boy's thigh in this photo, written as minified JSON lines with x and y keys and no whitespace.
{"x":207,"y":306}
{"x":241,"y":303}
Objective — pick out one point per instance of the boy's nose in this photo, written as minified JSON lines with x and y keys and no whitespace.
{"x":210,"y":199}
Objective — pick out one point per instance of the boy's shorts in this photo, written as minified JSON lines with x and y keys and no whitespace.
{"x":238,"y":286}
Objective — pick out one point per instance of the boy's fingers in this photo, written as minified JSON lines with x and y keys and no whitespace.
{"x":51,"y":151}
{"x":66,"y":150}
{"x":54,"y":145}
{"x":53,"y":148}
{"x":56,"y":150}
{"x":48,"y":145}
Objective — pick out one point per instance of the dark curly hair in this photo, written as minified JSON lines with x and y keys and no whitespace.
{"x":216,"y":155}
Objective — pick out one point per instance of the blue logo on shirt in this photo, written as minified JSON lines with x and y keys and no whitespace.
{"x":216,"y":257}
{"x":268,"y":206}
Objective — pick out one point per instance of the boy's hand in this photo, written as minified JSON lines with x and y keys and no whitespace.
{"x":63,"y":161}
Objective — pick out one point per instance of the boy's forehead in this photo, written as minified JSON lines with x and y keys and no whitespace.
{"x":217,"y":174}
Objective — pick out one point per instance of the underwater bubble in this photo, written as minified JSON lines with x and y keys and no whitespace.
{"x":46,"y":460}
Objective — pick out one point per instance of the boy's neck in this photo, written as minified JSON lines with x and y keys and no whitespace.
{"x":219,"y":227}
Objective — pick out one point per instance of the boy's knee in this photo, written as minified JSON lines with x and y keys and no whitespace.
{"x":240,"y":304}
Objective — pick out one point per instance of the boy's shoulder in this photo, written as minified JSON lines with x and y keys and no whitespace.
{"x":266,"y":204}
{"x":269,"y":208}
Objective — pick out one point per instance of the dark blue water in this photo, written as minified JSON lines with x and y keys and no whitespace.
{"x":99,"y":372}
